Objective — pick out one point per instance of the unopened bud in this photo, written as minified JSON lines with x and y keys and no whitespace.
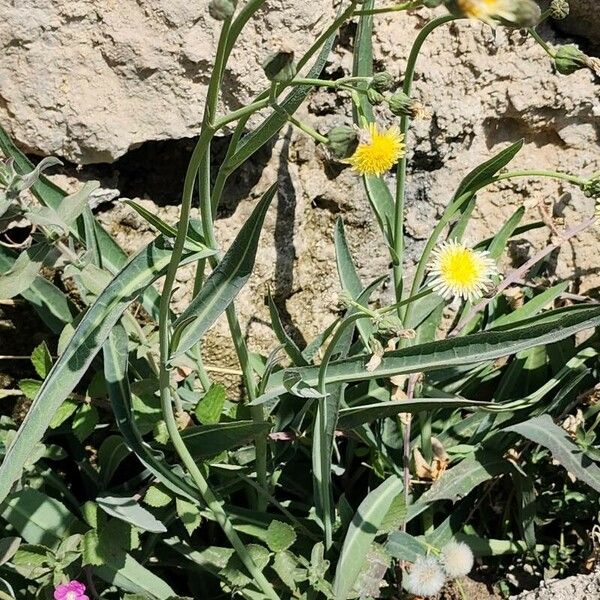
{"x":382,"y":82}
{"x":221,"y":9}
{"x":569,"y":59}
{"x":591,"y":187}
{"x":559,"y":9}
{"x":374,"y":96}
{"x":280,"y":66}
{"x":402,"y":105}
{"x":432,"y":3}
{"x":342,"y":141}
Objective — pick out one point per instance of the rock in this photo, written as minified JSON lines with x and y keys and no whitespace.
{"x":484,"y":89}
{"x":90,"y":79}
{"x":579,"y":587}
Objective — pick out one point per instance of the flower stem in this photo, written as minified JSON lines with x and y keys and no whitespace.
{"x":536,"y":36}
{"x":535,"y":173}
{"x":322,"y":438}
{"x":390,"y":9}
{"x":313,"y":133}
{"x":398,"y":231}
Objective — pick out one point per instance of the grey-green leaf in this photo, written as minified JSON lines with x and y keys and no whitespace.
{"x":226,"y":280}
{"x":361,"y":534}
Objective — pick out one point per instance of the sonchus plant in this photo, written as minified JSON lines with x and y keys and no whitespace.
{"x":367,"y":463}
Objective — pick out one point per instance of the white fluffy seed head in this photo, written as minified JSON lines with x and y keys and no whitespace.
{"x":457,"y":559}
{"x":426,"y":578}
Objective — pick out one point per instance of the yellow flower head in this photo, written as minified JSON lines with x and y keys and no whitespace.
{"x":378,"y":151}
{"x":458,"y":270}
{"x":524,"y":13}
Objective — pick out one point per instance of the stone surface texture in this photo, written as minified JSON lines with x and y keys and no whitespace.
{"x":580,"y":587}
{"x":89,"y":80}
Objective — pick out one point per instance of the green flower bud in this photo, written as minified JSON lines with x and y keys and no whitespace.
{"x":402,"y":105}
{"x":569,"y":59}
{"x":280,"y":66}
{"x":374,"y":96}
{"x":342,"y":141}
{"x":432,"y":3}
{"x":221,"y":9}
{"x":591,"y":187}
{"x":382,"y":82}
{"x":559,"y":9}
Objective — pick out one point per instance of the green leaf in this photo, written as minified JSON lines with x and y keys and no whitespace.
{"x":226,"y":281}
{"x":286,"y":566}
{"x":49,"y":194}
{"x":115,"y":369}
{"x":210,"y":440}
{"x":395,"y":516}
{"x":256,"y":139}
{"x":111,"y":454}
{"x":71,"y":207}
{"x":194,"y":242}
{"x":460,"y":480}
{"x":66,"y":409}
{"x":353,"y":417}
{"x":147,"y":266}
{"x":25,"y":269}
{"x":30,"y":387}
{"x":472,"y":349}
{"x":189,"y":514}
{"x":280,"y":536}
{"x":156,"y":497}
{"x":361,"y":534}
{"x":482,"y":174}
{"x":349,"y":279}
{"x":85,"y":421}
{"x":210,"y":407}
{"x":8,"y":547}
{"x":41,"y":360}
{"x":285,"y":340}
{"x":543,"y":431}
{"x":38,"y":518}
{"x":130,"y":511}
{"x":403,"y":546}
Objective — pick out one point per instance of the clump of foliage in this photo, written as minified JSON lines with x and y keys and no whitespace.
{"x":401,"y":444}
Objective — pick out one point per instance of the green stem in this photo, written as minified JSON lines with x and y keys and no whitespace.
{"x":242,"y":112}
{"x":536,"y":36}
{"x":398,"y":231}
{"x":201,"y":153}
{"x":389,"y":9}
{"x":313,"y":133}
{"x":322,"y":452}
{"x":535,"y":173}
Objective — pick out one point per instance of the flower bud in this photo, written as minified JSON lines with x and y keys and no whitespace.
{"x":402,"y":105}
{"x":280,"y":66}
{"x":221,"y":9}
{"x":374,"y":96}
{"x":559,"y":9}
{"x":342,"y":141}
{"x":382,"y":82}
{"x":569,"y":59}
{"x":432,"y":3}
{"x":591,"y":187}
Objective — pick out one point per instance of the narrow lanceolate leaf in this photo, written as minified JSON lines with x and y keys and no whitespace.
{"x":25,"y":269}
{"x":543,"y":431}
{"x":471,"y":349}
{"x":460,"y":480}
{"x":92,"y":331}
{"x":115,"y":370}
{"x":49,"y":194}
{"x":226,"y":280}
{"x":349,"y":278}
{"x":353,"y":417}
{"x":361,"y":533}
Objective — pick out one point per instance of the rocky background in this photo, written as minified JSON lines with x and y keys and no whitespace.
{"x":116,"y":89}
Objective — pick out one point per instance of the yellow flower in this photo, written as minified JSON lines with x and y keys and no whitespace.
{"x":524,"y":13}
{"x":378,"y":151}
{"x":458,"y":270}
